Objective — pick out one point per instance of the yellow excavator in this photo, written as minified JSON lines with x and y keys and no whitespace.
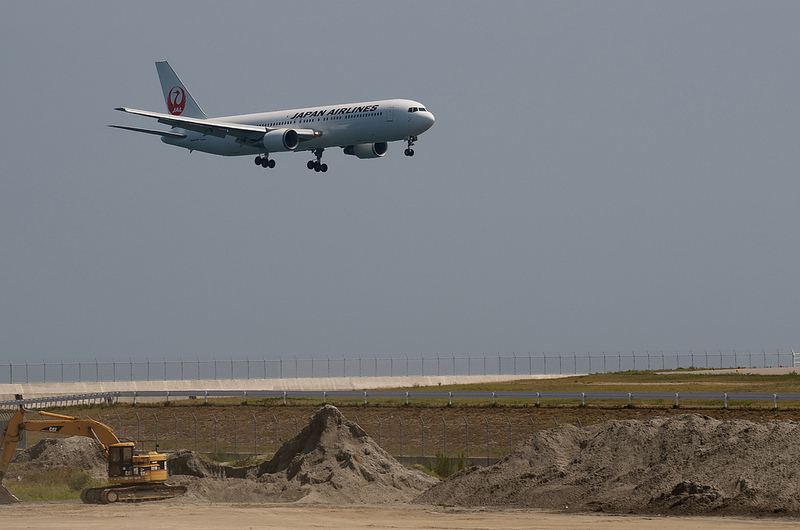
{"x":133,"y":477}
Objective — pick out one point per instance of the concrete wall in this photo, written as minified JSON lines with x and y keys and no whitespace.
{"x":37,"y":390}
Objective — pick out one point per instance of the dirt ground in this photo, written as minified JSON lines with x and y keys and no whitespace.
{"x":74,"y":515}
{"x":333,"y":474}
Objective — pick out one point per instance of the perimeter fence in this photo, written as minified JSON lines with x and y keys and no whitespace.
{"x":405,"y":432}
{"x":163,"y":369}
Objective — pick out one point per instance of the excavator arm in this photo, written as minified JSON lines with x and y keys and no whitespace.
{"x":133,"y":477}
{"x":54,"y":423}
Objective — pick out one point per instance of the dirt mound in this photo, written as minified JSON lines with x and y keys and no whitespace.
{"x":332,"y":460}
{"x":688,"y":464}
{"x":75,"y":451}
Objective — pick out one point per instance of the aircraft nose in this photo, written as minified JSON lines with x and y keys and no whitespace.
{"x":428,"y":118}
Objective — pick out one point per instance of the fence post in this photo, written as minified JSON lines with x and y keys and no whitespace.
{"x":138,"y":429}
{"x":406,"y":398}
{"x":401,"y":434}
{"x":276,"y":432}
{"x":775,"y":401}
{"x":215,"y":434}
{"x":195,"y":432}
{"x":510,"y":435}
{"x":235,"y":435}
{"x":255,"y":435}
{"x":175,"y":418}
{"x":423,"y":435}
{"x":466,"y":433}
{"x":156,"y":420}
{"x":725,"y":400}
{"x":488,"y":452}
{"x":444,"y":448}
{"x":676,"y":400}
{"x":165,"y":368}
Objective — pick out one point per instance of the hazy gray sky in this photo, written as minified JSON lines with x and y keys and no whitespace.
{"x":601,"y":176}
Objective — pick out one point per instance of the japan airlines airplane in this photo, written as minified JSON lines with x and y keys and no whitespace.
{"x":361,"y":129}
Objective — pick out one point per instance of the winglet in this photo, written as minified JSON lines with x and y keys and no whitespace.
{"x":179,"y":101}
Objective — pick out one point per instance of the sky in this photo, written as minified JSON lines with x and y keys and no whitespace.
{"x":601,"y":176}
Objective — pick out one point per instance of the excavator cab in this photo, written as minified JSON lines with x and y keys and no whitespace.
{"x":120,"y":461}
{"x":124,"y":466}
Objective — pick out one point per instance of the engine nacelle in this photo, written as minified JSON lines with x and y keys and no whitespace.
{"x":280,"y":140}
{"x":367,"y":150}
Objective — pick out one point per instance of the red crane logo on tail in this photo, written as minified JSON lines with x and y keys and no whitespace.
{"x":176,"y":101}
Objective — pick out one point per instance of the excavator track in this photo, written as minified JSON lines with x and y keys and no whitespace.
{"x":135,"y":493}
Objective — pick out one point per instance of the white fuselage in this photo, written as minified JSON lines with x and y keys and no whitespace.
{"x":340,"y":126}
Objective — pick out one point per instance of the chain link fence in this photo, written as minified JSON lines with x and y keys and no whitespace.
{"x":439,"y":365}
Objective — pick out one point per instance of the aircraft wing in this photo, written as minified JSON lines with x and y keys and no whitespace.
{"x":247,"y":134}
{"x":150,"y":131}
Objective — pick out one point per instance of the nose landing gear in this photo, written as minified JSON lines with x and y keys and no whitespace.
{"x":411,"y":140}
{"x":317,"y":164}
{"x":264,"y":161}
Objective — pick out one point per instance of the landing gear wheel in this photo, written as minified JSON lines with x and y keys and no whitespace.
{"x":264,"y":161}
{"x":317,"y":164}
{"x":411,"y":140}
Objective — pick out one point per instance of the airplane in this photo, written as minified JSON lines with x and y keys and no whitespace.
{"x":361,"y":129}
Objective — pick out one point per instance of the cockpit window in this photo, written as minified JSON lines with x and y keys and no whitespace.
{"x":417,"y":109}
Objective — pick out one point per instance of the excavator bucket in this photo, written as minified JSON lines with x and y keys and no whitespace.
{"x":6,"y":497}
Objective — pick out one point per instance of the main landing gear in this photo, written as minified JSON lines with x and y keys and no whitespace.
{"x":411,"y":140}
{"x":317,"y":164}
{"x":264,"y":161}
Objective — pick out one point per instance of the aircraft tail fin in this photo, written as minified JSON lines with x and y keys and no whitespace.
{"x":179,"y":101}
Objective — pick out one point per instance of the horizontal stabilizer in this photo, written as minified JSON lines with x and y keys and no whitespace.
{"x":150,"y":131}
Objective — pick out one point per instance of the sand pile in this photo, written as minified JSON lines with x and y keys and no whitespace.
{"x":76,"y":451}
{"x":332,"y":460}
{"x":687,"y":464}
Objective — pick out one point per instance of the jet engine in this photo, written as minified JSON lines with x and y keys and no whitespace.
{"x":280,"y":140}
{"x":367,"y":150}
